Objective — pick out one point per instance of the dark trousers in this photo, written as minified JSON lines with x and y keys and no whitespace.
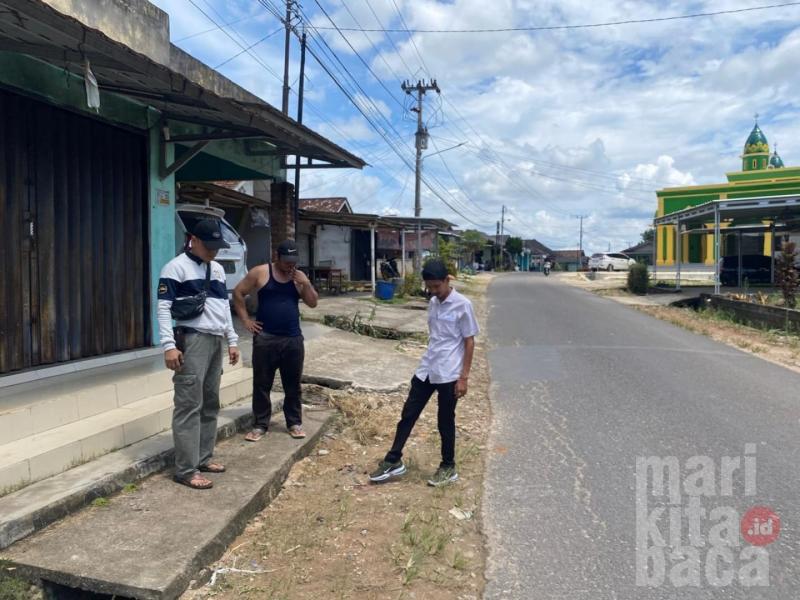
{"x":277,"y":353}
{"x":421,"y":392}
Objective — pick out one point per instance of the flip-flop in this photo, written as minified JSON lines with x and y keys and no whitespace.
{"x":296,"y":431}
{"x":207,"y":485}
{"x":255,"y":434}
{"x":211,"y":468}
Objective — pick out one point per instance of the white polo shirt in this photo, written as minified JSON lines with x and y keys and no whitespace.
{"x":449,"y":324}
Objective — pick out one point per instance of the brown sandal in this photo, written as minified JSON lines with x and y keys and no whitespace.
{"x":196,"y":482}
{"x":211,"y":468}
{"x":255,"y":434}
{"x":296,"y":431}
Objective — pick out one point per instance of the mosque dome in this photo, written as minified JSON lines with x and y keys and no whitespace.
{"x":775,"y":161}
{"x":757,"y":142}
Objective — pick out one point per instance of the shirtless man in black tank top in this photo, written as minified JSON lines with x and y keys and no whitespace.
{"x":277,"y":338}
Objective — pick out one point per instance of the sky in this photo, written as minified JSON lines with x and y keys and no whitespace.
{"x":552,"y":124}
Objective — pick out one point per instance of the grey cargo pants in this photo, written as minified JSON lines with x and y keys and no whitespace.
{"x":194,"y":418}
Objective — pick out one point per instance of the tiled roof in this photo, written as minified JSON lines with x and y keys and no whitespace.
{"x":536,"y":247}
{"x":566,"y":254}
{"x":331,"y":205}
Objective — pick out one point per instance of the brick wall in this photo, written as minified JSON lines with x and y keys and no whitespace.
{"x":281,"y":212}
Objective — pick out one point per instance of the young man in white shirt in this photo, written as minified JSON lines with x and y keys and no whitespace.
{"x":444,"y":369}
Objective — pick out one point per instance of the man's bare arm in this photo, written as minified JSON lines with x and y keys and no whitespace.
{"x":305,"y":289}
{"x":247,"y":286}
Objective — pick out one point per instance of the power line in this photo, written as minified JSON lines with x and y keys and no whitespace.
{"x":199,"y":33}
{"x":371,"y":43}
{"x":582,"y":25}
{"x":345,"y":71}
{"x":458,"y":184}
{"x":389,"y":37}
{"x":250,"y":47}
{"x":366,"y":107}
{"x":365,"y":63}
{"x":411,"y":38}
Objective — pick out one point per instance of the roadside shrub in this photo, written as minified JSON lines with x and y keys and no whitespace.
{"x":411,"y":286}
{"x":638,"y":278}
{"x":786,"y":274}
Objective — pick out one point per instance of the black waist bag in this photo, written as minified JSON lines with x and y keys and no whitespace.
{"x":191,"y":307}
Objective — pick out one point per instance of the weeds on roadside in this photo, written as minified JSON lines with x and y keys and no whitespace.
{"x":423,"y":536}
{"x":358,"y":324}
{"x":12,"y":587}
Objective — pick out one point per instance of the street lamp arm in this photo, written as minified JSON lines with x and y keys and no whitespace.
{"x":445,"y":150}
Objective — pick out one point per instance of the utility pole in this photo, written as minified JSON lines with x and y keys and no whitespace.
{"x":580,"y":243}
{"x":299,"y":120}
{"x":502,"y":233}
{"x":419,"y":88}
{"x":288,"y":24}
{"x":496,"y":245}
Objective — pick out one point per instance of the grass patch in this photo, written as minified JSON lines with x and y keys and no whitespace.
{"x":423,"y":536}
{"x":130,"y":488}
{"x":14,"y":588}
{"x":100,"y":502}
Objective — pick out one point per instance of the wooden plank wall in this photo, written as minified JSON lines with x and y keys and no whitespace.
{"x":79,"y":286}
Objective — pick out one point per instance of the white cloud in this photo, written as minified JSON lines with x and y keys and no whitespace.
{"x":588,"y":121}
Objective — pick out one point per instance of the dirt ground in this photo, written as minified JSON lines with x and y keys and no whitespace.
{"x":774,"y":346}
{"x":332,"y":534}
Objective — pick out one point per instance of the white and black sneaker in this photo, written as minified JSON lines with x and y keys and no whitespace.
{"x":443,"y":476}
{"x":387,"y":470}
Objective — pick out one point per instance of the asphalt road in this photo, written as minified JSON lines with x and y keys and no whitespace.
{"x":582,"y":387}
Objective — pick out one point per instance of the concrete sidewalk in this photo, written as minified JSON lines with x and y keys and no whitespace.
{"x":339,"y":359}
{"x":409,"y":318}
{"x":150,"y":543}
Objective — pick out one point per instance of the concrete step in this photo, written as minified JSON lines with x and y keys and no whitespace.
{"x":38,"y":505}
{"x":57,"y":449}
{"x":38,"y":406}
{"x":149,"y":544}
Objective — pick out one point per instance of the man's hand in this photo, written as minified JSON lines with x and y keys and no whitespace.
{"x":173,"y":359}
{"x":252,"y":326}
{"x":233,"y":354}
{"x":300,"y":278}
{"x":461,"y":387}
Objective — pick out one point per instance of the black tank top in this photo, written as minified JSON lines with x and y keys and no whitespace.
{"x":278,"y":308}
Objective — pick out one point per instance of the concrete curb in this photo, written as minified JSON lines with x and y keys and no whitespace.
{"x":38,"y":505}
{"x":74,"y":554}
{"x":215,"y":549}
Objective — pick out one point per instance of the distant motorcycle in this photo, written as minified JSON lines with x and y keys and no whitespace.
{"x":546,"y":269}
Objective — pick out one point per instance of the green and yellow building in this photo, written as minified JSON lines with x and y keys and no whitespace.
{"x":763,"y":174}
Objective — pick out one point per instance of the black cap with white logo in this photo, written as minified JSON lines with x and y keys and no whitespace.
{"x":209,"y":231}
{"x":287,"y":251}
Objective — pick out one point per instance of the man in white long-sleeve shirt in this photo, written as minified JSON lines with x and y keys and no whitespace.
{"x":196,"y":355}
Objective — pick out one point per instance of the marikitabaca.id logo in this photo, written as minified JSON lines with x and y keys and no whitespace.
{"x":689,"y":531}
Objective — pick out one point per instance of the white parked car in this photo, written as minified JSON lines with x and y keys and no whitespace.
{"x":610,"y":261}
{"x":233,"y":259}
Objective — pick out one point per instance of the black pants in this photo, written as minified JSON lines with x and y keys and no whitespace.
{"x":277,"y":353}
{"x":421,"y":392}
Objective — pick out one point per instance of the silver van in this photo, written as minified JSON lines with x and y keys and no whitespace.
{"x":233,"y":259}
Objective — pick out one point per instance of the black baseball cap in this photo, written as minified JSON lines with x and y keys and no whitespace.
{"x":287,"y":251}
{"x":209,"y":231}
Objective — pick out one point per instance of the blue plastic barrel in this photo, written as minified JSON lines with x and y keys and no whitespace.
{"x":384,"y":290}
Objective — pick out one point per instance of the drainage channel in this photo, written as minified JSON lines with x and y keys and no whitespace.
{"x":57,"y":591}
